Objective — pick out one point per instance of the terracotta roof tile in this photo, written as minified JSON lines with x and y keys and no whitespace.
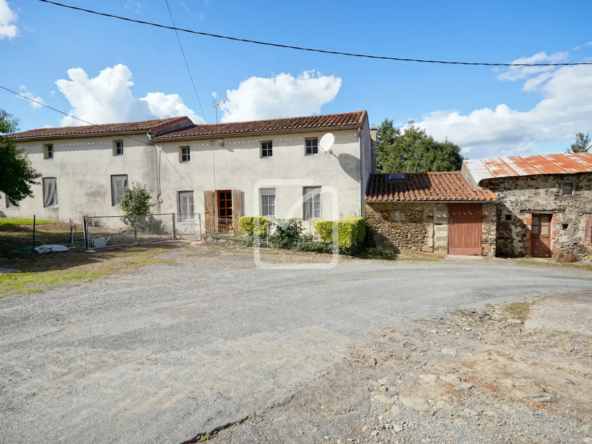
{"x":514,"y":166}
{"x":152,"y":126}
{"x":289,"y":124}
{"x":425,"y":187}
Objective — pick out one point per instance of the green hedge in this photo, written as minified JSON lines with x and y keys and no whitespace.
{"x":351,"y":231}
{"x":246,"y":225}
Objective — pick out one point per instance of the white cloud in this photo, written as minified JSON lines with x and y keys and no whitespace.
{"x":564,"y":109}
{"x":280,"y":96}
{"x":108,"y":98}
{"x":522,"y":72}
{"x":134,"y":6}
{"x":582,"y":46}
{"x":8,"y":17}
{"x":30,"y":95}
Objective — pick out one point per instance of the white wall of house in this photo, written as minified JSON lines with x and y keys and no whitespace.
{"x":238,"y":165}
{"x":83,"y":168}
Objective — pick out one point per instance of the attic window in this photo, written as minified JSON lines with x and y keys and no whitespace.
{"x":567,"y":188}
{"x":396,"y":177}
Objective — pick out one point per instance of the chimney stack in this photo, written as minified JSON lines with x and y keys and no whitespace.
{"x":373,"y":132}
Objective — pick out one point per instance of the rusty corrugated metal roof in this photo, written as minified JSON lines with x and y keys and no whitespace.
{"x":514,"y":166}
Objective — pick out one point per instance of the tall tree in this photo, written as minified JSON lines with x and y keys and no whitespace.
{"x":16,"y":173}
{"x":581,"y":145}
{"x":412,"y":150}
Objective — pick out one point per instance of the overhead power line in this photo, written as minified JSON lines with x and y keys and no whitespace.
{"x":300,"y":48}
{"x":185,"y":58}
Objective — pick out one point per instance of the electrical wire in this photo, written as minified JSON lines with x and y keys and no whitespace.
{"x":300,"y":48}
{"x":185,"y":58}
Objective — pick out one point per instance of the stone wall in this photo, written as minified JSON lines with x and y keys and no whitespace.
{"x":413,"y":232}
{"x":520,"y":197}
{"x":423,"y":227}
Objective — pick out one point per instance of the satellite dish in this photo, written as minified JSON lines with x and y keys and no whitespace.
{"x":327,"y":142}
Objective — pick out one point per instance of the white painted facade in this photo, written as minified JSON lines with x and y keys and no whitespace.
{"x":83,"y":167}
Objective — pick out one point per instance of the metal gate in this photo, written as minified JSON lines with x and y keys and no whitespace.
{"x":464,"y":229}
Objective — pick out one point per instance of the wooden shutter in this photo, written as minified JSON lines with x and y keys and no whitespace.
{"x":210,"y":211}
{"x":237,"y":209}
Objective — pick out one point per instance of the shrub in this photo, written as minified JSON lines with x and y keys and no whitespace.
{"x":315,"y":247}
{"x":136,"y":202}
{"x":351,"y":232}
{"x":246,"y":225}
{"x":287,"y":232}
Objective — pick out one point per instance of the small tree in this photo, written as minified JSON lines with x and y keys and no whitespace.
{"x":581,"y":145}
{"x":16,"y":173}
{"x":136,"y":202}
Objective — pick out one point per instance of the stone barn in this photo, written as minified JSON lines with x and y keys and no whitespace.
{"x":430,"y":212}
{"x":544,"y":203}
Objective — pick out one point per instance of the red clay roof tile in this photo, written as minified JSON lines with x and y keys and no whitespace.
{"x":93,"y":130}
{"x":289,"y":124}
{"x":425,"y":187}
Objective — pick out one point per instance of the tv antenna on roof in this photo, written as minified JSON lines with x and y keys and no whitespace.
{"x":326,"y":143}
{"x":218,"y":105}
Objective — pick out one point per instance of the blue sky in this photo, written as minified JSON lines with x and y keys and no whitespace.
{"x":487,"y":112}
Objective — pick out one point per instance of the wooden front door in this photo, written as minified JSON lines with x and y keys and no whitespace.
{"x":541,"y":235}
{"x":225,"y":210}
{"x":464,"y":229}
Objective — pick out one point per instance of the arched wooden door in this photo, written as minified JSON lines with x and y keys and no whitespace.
{"x":464,"y":229}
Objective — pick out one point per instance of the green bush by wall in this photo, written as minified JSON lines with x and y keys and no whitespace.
{"x":351,"y":231}
{"x":246,"y":225}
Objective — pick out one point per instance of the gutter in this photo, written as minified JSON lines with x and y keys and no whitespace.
{"x":428,"y":201}
{"x":75,"y":136}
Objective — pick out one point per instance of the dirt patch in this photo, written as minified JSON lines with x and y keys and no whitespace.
{"x":473,"y":376}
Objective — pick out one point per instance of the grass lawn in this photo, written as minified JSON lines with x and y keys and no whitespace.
{"x":19,"y":221}
{"x":44,"y":272}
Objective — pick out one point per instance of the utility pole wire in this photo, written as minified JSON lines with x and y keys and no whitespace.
{"x":300,"y":48}
{"x":185,"y":58}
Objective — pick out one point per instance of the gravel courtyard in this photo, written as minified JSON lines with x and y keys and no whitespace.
{"x":178,"y":350}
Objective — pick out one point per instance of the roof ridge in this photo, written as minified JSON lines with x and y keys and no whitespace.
{"x":281,"y":118}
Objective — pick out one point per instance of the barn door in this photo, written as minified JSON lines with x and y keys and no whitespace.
{"x":210,"y":211}
{"x":464,"y":229}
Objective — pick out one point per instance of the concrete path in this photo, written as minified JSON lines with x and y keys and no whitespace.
{"x":172,"y":351}
{"x":564,"y":312}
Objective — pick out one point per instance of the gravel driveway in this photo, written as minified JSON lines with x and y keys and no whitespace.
{"x":173,"y":351}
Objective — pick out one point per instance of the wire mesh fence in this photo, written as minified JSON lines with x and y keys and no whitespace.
{"x":119,"y":231}
{"x":23,"y":235}
{"x":188,"y":226}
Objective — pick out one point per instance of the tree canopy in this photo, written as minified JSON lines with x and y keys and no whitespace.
{"x":16,"y":173}
{"x":412,"y":150}
{"x":581,"y":145}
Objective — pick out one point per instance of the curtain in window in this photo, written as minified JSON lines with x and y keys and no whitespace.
{"x":186,"y":207}
{"x":118,"y":186}
{"x":312,"y":203}
{"x":268,"y":203}
{"x":50,"y":192}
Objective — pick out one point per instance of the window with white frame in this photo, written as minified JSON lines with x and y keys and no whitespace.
{"x":48,"y":151}
{"x":184,"y":154}
{"x":186,"y":206}
{"x":50,"y":192}
{"x":312,"y":145}
{"x":118,"y":148}
{"x":268,"y":203}
{"x":312,"y":203}
{"x":266,"y":149}
{"x":118,"y":186}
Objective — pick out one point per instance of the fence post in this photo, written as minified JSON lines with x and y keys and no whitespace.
{"x":199,"y":223}
{"x":174,"y":229}
{"x":34,"y":228}
{"x":85,"y":232}
{"x":135,"y":230}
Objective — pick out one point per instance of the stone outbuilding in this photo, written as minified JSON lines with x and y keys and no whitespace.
{"x":544,"y":203}
{"x":431,"y":212}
